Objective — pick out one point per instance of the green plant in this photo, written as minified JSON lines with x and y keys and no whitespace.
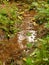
{"x":28,"y":34}
{"x":40,"y":55}
{"x":29,"y":45}
{"x":48,"y":1}
{"x":4,"y":1}
{"x":42,"y":15}
{"x":9,"y":20}
{"x":36,"y":5}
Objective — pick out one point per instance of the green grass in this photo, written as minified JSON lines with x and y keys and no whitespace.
{"x":9,"y":18}
{"x":40,"y":55}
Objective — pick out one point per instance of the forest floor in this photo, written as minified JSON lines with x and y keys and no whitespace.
{"x":15,"y":48}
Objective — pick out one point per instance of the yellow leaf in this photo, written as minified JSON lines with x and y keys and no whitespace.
{"x":24,"y":59}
